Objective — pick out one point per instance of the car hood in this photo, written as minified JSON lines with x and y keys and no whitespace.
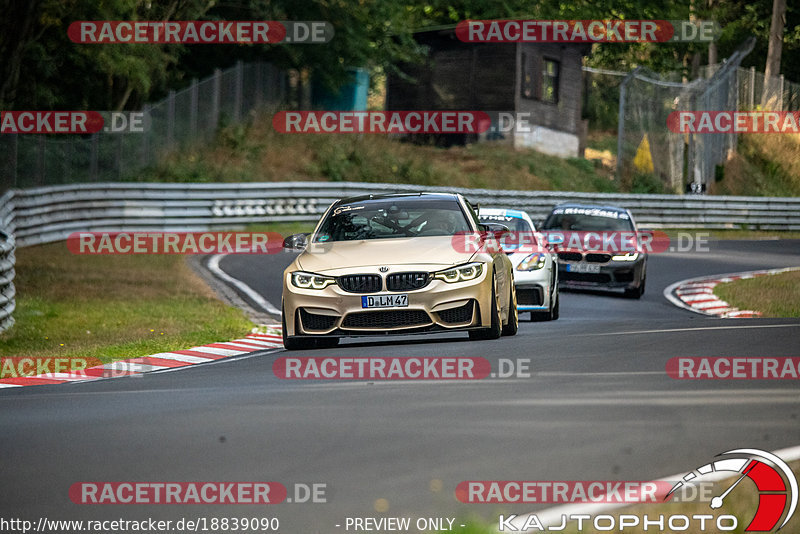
{"x":435,"y":251}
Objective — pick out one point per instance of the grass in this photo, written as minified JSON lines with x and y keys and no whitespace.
{"x":764,"y":165}
{"x":112,"y":307}
{"x":741,"y":503}
{"x":775,"y":295}
{"x":255,"y":152}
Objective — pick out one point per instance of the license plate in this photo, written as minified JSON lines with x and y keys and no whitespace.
{"x":385,"y":301}
{"x":582,"y":268}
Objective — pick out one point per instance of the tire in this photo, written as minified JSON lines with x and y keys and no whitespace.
{"x":293,"y":342}
{"x":555,"y":313}
{"x":636,"y":293}
{"x":512,"y":325}
{"x":496,"y":329}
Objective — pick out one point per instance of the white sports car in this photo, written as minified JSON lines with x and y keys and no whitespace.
{"x":535,"y":266}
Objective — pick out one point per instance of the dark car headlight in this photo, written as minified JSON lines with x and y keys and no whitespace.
{"x":630,"y":256}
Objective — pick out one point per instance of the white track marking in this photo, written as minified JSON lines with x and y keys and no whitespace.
{"x":213,"y":266}
{"x":739,"y":327}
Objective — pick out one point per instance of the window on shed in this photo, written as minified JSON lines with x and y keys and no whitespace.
{"x":550,"y":78}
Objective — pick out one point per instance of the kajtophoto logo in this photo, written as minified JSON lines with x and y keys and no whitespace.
{"x":775,"y":486}
{"x":770,"y":475}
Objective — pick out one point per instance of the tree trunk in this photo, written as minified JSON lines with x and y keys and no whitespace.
{"x":772,"y":70}
{"x":17,"y":32}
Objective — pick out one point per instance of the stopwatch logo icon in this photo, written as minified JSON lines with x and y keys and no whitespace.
{"x":771,"y":476}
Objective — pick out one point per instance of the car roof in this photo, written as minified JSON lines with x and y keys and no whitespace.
{"x":590,"y":207}
{"x":387,"y":196}
{"x":518,"y":214}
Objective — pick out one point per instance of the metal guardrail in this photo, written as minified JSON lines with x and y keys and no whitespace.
{"x":48,"y":214}
{"x":7,"y":290}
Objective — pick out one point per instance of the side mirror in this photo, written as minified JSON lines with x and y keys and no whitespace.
{"x":296,"y":242}
{"x":496,"y":230}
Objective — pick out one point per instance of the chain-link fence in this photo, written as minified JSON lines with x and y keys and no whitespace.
{"x":601,"y":98}
{"x":647,"y":148}
{"x":751,"y":92}
{"x":191,"y":115}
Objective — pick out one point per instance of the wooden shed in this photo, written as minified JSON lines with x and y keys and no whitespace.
{"x":540,"y":82}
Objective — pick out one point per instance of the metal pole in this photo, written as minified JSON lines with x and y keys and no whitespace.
{"x":237,"y":97}
{"x":15,"y":156}
{"x":215,"y":96}
{"x":623,"y":88}
{"x":93,"y":157}
{"x":171,"y":119}
{"x":119,"y":155}
{"x":40,"y":164}
{"x":146,"y":136}
{"x":193,"y":98}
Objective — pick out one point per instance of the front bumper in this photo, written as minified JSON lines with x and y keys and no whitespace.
{"x":437,"y":306}
{"x":611,"y":276}
{"x":533,"y":287}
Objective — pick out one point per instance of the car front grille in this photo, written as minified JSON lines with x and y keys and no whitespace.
{"x":530,"y":296}
{"x":570,"y":256}
{"x":462,"y":314}
{"x":360,"y":283}
{"x":407,"y":281}
{"x":598,"y":257}
{"x":315,"y":321}
{"x":597,"y":278}
{"x":386,"y":319}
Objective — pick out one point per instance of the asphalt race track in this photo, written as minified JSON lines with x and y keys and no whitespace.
{"x":598,"y":406}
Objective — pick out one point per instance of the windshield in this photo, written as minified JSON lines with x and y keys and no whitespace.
{"x":587,"y":220}
{"x":515,"y":224}
{"x":389,"y":218}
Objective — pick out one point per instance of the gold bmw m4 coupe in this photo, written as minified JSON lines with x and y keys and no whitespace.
{"x":397,"y":264}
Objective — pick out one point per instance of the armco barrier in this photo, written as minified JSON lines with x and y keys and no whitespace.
{"x":47,"y":214}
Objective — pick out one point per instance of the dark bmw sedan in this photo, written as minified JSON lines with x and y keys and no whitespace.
{"x":598,"y":247}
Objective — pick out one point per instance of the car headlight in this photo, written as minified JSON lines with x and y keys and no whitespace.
{"x":533,"y":262}
{"x":311,"y":281}
{"x":462,"y":273}
{"x":630,"y":256}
